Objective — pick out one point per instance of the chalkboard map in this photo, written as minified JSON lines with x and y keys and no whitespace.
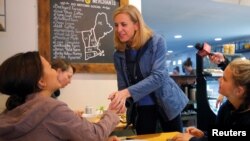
{"x":91,"y":38}
{"x":82,"y":30}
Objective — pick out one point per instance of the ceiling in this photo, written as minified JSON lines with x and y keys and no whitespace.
{"x":197,"y":21}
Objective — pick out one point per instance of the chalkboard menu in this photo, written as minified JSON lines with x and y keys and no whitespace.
{"x":82,"y":31}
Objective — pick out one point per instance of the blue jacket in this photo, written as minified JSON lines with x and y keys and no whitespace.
{"x":156,"y":79}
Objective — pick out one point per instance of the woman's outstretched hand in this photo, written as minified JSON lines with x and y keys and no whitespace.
{"x":118,"y":100}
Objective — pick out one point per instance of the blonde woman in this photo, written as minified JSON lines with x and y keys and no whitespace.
{"x":145,"y":88}
{"x":235,"y":112}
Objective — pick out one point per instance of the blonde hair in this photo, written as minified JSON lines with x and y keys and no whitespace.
{"x":240,"y":71}
{"x":241,"y":75}
{"x":141,"y":36}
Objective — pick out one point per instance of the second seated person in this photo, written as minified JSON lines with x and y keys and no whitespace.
{"x":144,"y":86}
{"x":65,"y":72}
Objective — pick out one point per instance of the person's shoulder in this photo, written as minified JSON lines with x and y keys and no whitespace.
{"x":118,"y":54}
{"x":44,"y":101}
{"x":157,"y":36}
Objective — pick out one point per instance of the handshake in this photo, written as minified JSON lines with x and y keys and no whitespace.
{"x":118,"y":100}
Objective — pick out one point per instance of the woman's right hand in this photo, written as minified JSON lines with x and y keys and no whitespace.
{"x":113,"y":138}
{"x":118,"y":100}
{"x":219,"y":100}
{"x":195,"y":132}
{"x":217,"y":58}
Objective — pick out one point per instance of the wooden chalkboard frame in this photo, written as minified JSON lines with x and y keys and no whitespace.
{"x":44,"y":41}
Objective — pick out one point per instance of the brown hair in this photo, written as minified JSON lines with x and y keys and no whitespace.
{"x":143,"y":33}
{"x":19,"y":77}
{"x":62,"y":64}
{"x":188,"y":62}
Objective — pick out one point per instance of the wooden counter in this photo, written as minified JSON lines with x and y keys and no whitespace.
{"x":148,"y":137}
{"x":95,"y":119}
{"x":153,"y":137}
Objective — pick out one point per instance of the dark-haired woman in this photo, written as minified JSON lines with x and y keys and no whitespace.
{"x":32,"y":114}
{"x":188,"y":67}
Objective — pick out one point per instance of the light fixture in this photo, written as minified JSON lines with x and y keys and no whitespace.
{"x":174,"y":63}
{"x":190,"y":46}
{"x":178,"y":36}
{"x":218,"y":39}
{"x":170,"y":51}
{"x":179,"y":62}
{"x":240,"y":2}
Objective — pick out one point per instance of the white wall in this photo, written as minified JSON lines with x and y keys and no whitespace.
{"x":21,"y":24}
{"x":136,"y":3}
{"x":21,"y":34}
{"x":89,"y":89}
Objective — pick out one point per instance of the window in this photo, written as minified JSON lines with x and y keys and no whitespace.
{"x":2,"y":15}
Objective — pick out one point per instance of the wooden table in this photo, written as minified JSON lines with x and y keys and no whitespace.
{"x":95,"y":119}
{"x":153,"y":137}
{"x":147,"y":137}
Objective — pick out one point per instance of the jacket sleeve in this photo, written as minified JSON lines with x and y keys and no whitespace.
{"x":65,"y":125}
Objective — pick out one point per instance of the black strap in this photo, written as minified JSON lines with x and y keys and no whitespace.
{"x":137,"y":72}
{"x":142,"y":50}
{"x":131,"y":106}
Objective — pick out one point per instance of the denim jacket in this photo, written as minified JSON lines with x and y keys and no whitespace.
{"x":156,"y":80}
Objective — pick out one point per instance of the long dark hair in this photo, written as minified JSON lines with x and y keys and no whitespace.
{"x":188,"y":62}
{"x":19,"y":76}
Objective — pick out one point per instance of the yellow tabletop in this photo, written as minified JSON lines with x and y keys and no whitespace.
{"x":95,"y":119}
{"x":153,"y":137}
{"x":147,"y":137}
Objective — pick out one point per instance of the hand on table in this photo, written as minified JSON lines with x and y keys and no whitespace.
{"x":113,"y":138}
{"x":190,"y":132}
{"x":195,"y":131}
{"x":79,"y":113}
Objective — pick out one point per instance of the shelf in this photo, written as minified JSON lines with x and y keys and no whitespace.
{"x":186,"y":83}
{"x":189,"y":117}
{"x":189,"y":120}
{"x":242,"y":50}
{"x":191,"y":102}
{"x":184,"y":79}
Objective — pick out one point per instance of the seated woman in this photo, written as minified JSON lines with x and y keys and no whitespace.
{"x":31,"y":113}
{"x":235,"y":112}
{"x":65,"y":72}
{"x":188,"y":67}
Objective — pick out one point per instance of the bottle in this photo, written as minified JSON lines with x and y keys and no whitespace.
{"x":186,"y":90}
{"x":193,"y":94}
